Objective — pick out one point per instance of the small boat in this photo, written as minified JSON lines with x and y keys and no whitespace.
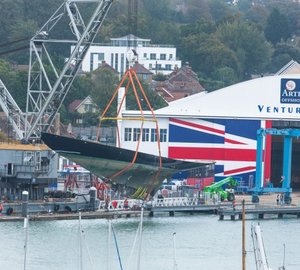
{"x":111,"y":163}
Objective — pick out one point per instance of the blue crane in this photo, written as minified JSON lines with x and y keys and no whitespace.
{"x":288,"y":135}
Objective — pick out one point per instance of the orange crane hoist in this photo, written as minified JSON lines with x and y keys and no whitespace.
{"x":132,"y":80}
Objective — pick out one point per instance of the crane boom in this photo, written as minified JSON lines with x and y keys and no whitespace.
{"x":12,"y":111}
{"x":47,"y":84}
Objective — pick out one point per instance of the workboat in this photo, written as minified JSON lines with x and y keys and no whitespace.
{"x":116,"y":164}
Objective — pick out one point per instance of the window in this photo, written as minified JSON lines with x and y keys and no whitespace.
{"x":158,"y":66}
{"x":100,"y":57}
{"x":88,"y":108}
{"x":145,"y":55}
{"x":145,"y":135}
{"x":116,"y":61}
{"x":163,"y":56}
{"x":168,"y":67}
{"x":136,"y":134}
{"x":150,"y":66}
{"x":153,"y":135}
{"x":38,"y":160}
{"x":128,"y":134}
{"x":28,"y":158}
{"x":122,"y":63}
{"x":163,"y":135}
{"x":112,"y":60}
{"x":95,"y":58}
{"x":170,"y":56}
{"x":153,"y":56}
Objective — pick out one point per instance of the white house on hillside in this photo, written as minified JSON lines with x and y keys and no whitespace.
{"x":156,"y":58}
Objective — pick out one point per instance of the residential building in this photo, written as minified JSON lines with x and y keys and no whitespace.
{"x":182,"y":82}
{"x":143,"y":73}
{"x":82,"y":106}
{"x":156,"y":58}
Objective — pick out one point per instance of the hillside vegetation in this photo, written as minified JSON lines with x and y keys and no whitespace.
{"x":223,"y":43}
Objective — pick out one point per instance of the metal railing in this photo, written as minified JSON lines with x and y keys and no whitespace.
{"x":119,"y":205}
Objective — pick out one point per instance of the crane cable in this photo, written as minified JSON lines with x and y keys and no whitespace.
{"x":139,"y":140}
{"x":6,"y":44}
{"x":131,"y":74}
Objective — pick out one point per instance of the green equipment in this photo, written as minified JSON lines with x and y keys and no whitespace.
{"x":225,"y":194}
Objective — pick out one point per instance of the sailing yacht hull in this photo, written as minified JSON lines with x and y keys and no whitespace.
{"x":107,"y":162}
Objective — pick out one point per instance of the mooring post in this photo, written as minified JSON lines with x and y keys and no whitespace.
{"x":25,"y":197}
{"x":93,"y":192}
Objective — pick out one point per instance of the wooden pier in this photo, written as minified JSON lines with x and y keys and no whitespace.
{"x":208,"y":209}
{"x":258,"y":211}
{"x":70,"y":216}
{"x":183,"y":205}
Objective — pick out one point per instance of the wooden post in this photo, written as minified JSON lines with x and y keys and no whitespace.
{"x":243,"y":237}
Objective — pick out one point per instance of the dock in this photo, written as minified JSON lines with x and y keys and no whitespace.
{"x":182,"y":205}
{"x":71,"y":216}
{"x":171,"y":206}
{"x":258,"y":211}
{"x":207,"y":209}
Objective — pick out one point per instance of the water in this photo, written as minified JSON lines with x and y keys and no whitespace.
{"x":202,"y":242}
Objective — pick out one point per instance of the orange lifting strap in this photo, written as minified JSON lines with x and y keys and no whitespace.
{"x":132,"y":81}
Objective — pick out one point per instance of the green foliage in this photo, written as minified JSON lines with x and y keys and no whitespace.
{"x":283,"y":53}
{"x":223,"y":43}
{"x":277,"y":28}
{"x":249,"y":45}
{"x":15,"y":82}
{"x":205,"y":52}
{"x":132,"y":100}
{"x":159,"y":77}
{"x":226,"y":75}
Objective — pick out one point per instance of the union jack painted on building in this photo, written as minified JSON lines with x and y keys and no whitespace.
{"x":230,"y":143}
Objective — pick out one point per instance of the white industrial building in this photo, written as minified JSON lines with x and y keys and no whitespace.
{"x":220,"y":126}
{"x":156,"y":58}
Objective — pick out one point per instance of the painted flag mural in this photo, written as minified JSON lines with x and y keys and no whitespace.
{"x":230,"y":143}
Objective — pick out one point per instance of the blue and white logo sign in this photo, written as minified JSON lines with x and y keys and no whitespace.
{"x":290,"y":91}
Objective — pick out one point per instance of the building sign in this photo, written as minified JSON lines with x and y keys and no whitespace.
{"x":290,"y":91}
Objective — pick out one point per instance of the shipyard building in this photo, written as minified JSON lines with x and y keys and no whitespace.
{"x":221,"y":127}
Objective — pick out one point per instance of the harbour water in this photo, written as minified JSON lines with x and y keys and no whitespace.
{"x":201,"y":242}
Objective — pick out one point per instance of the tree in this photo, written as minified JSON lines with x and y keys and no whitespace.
{"x":104,"y":83}
{"x":226,"y":75}
{"x":21,"y":29}
{"x":159,"y":77}
{"x":15,"y":82}
{"x":277,"y":27}
{"x":283,"y":53}
{"x":206,"y":53}
{"x":249,"y":45}
{"x":219,"y":9}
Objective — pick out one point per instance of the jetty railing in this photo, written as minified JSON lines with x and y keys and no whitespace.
{"x":119,"y":204}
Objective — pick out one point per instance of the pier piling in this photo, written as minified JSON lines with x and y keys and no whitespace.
{"x":25,"y":197}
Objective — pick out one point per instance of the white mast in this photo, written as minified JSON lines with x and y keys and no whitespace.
{"x":26,"y":241}
{"x":259,"y":249}
{"x":174,"y":252}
